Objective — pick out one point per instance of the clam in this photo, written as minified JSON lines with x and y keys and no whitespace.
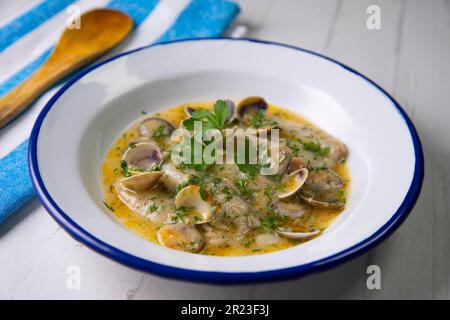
{"x":231,"y":111}
{"x":324,"y":180}
{"x":322,"y":199}
{"x":284,"y":160}
{"x":156,"y":128}
{"x":250,"y":106}
{"x":142,"y":156}
{"x":292,"y":183}
{"x":296,"y":235}
{"x":247,"y":110}
{"x":296,"y":164}
{"x":322,"y":190}
{"x":189,"y":111}
{"x":142,"y":180}
{"x":179,"y":136}
{"x":194,"y":209}
{"x":180,"y":237}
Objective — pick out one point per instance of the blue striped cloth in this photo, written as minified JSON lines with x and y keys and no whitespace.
{"x":28,"y":34}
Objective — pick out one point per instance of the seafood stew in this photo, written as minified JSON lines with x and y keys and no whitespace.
{"x":272,"y":180}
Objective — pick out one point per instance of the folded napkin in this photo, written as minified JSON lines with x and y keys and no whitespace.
{"x":30,"y":37}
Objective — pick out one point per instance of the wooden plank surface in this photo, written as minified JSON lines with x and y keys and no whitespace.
{"x":408,"y":57}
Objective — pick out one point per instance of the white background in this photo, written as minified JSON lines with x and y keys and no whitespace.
{"x":408,"y":57}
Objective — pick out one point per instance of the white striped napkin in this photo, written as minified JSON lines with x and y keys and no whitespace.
{"x":27,"y":39}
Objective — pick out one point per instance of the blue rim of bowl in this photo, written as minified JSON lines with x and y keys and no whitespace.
{"x":127,"y":259}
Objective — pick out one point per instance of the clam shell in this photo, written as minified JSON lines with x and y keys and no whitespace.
{"x":250,"y":105}
{"x":292,"y":183}
{"x":142,"y":156}
{"x":150,"y":126}
{"x":310,"y":200}
{"x":297,"y":235}
{"x":180,"y":237}
{"x":296,"y":164}
{"x":142,"y":180}
{"x":197,"y":210}
{"x":324,"y":180}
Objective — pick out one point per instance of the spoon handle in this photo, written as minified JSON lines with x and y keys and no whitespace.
{"x":18,"y":99}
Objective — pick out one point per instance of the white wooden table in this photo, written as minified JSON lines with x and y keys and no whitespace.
{"x":409,"y":57}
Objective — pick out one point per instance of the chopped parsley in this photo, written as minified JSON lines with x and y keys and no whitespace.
{"x":160,"y":132}
{"x":315,"y":148}
{"x":180,"y":214}
{"x":270,"y":222}
{"x":269,"y":192}
{"x":227,"y":192}
{"x":249,"y":169}
{"x":155,"y":167}
{"x":242,"y":186}
{"x":108,"y":206}
{"x":295,"y":148}
{"x":152,"y":208}
{"x":259,"y":120}
{"x":124,"y":166}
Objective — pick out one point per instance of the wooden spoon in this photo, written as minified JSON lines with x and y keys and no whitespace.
{"x":101,"y":30}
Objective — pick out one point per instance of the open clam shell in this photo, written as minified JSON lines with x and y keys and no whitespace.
{"x":156,"y":128}
{"x":189,"y":111}
{"x":276,"y":165}
{"x":142,"y":180}
{"x":324,"y":180}
{"x":143,"y":156}
{"x":327,"y":200}
{"x":296,"y":164}
{"x":194,"y":209}
{"x":297,"y":235}
{"x":180,"y":237}
{"x":231,"y":110}
{"x":292,"y":183}
{"x":323,"y":189}
{"x":249,"y":106}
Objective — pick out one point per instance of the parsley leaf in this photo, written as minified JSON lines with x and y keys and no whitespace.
{"x":258,"y":119}
{"x":249,"y":169}
{"x":108,"y":206}
{"x":316,"y":148}
{"x":215,"y":120}
{"x":221,"y":112}
{"x":152,"y":208}
{"x":242,"y":186}
{"x":160,"y":132}
{"x":200,"y":114}
{"x":270,"y":222}
{"x":124,"y":167}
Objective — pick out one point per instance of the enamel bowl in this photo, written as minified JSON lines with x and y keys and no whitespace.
{"x":79,"y":124}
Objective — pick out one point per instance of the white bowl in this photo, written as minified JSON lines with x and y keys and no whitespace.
{"x":80,"y":123}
